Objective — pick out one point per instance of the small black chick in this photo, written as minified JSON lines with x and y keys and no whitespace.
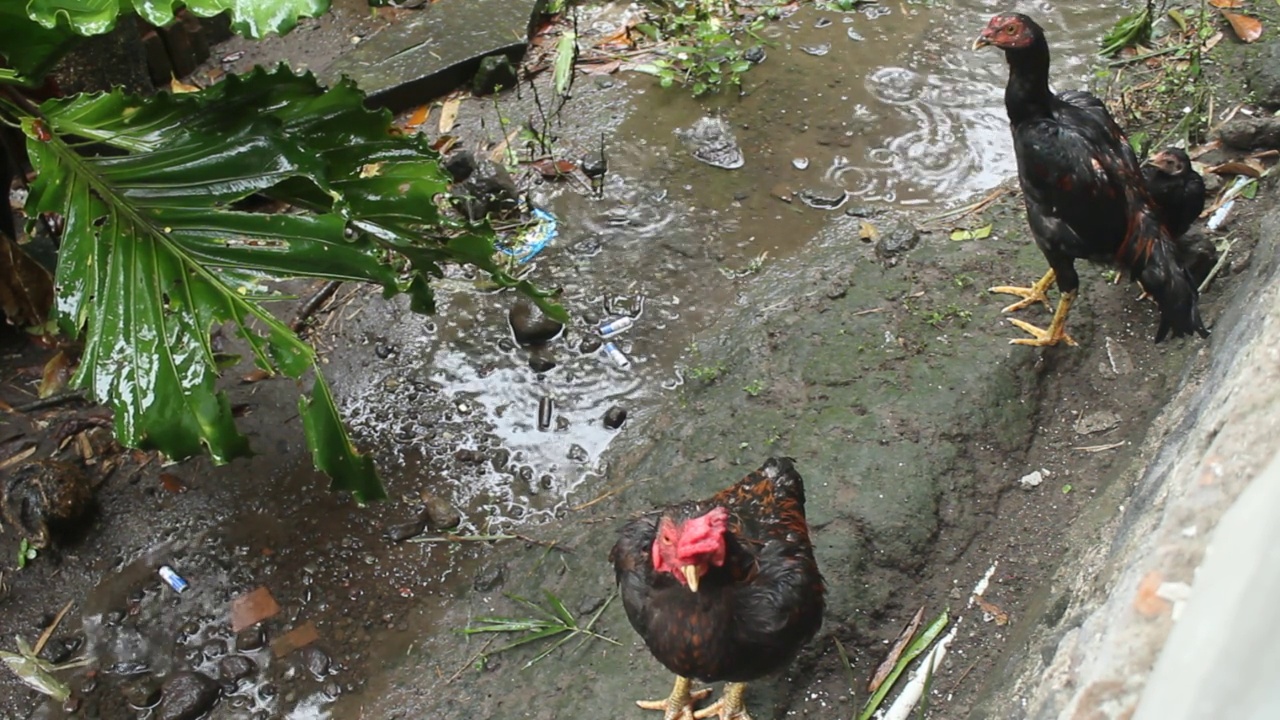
{"x":1176,"y":189}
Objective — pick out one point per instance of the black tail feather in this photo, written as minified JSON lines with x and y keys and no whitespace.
{"x":1174,"y":291}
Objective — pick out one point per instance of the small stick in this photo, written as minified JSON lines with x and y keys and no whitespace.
{"x":312,"y":305}
{"x":42,"y":403}
{"x":471,"y":661}
{"x":48,"y":632}
{"x":602,"y":496}
{"x":1222,"y":260}
{"x":1100,"y":448}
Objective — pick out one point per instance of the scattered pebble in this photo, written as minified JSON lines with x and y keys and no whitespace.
{"x":614,"y":417}
{"x":1032,"y":480}
{"x":316,"y":661}
{"x":250,"y":639}
{"x":800,"y":163}
{"x":1096,"y":422}
{"x":234,"y":668}
{"x":817,"y":50}
{"x":187,"y":696}
{"x":440,"y":514}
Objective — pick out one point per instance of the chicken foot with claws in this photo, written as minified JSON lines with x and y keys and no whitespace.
{"x":1030,"y":296}
{"x":729,"y":706}
{"x":679,"y":705}
{"x":1056,"y":331}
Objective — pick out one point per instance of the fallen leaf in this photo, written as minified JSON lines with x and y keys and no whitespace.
{"x":254,"y":376}
{"x":1212,"y":42}
{"x":449,"y":113}
{"x":18,"y":457}
{"x":501,"y":148}
{"x":868,"y":232}
{"x":1227,"y":3}
{"x":550,"y":168}
{"x":172,"y":483}
{"x":177,"y":87}
{"x":975,"y":234}
{"x":1000,"y":616}
{"x":419,"y":116}
{"x":252,"y":608}
{"x":299,"y":637}
{"x":1246,"y":28}
{"x":369,"y":170}
{"x":56,"y":374}
{"x":444,"y":143}
{"x":620,"y":39}
{"x":895,"y":652}
{"x":606,"y":68}
{"x":1246,"y":167}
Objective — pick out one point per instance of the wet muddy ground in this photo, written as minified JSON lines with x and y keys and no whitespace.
{"x":879,"y":365}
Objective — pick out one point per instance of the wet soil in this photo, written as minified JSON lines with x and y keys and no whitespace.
{"x":885,"y":374}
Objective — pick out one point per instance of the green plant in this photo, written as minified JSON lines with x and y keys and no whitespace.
{"x":754,"y":388}
{"x":700,"y":48}
{"x":547,"y":623}
{"x":160,"y":243}
{"x":1130,"y":30}
{"x":26,"y":553}
{"x":705,"y":373}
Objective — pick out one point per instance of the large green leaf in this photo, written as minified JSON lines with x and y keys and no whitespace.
{"x":28,"y":48}
{"x":250,"y":18}
{"x":156,"y":251}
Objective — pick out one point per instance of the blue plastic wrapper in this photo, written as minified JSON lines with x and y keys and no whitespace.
{"x":532,"y":238}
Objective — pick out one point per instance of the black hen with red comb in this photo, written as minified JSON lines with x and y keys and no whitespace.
{"x":1084,"y":191}
{"x":723,"y":589}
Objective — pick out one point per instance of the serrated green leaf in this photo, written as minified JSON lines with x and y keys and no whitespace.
{"x":250,"y":18}
{"x":331,"y":448}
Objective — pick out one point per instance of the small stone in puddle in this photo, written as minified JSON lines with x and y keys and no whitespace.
{"x":800,"y":163}
{"x":214,"y":649}
{"x":577,"y":453}
{"x":316,"y":660}
{"x":530,"y":326}
{"x":489,"y":578}
{"x":406,"y":530}
{"x":817,"y":50}
{"x":711,"y":141}
{"x":234,"y":668}
{"x":589,"y":345}
{"x":440,"y":514}
{"x":250,"y":639}
{"x":562,"y":423}
{"x":755,"y":54}
{"x":383,"y":351}
{"x":614,"y":417}
{"x":540,"y":364}
{"x":857,"y":211}
{"x":141,"y":692}
{"x":187,"y":696}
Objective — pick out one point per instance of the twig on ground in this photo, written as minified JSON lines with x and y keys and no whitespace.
{"x":311,"y":306}
{"x":52,"y":400}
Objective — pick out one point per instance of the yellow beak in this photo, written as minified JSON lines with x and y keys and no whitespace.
{"x":691,"y":576}
{"x":980,"y":43}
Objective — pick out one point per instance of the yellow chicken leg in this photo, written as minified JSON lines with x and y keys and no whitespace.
{"x":679,"y":705}
{"x":729,"y":706}
{"x":1057,"y":328}
{"x":1030,"y":296}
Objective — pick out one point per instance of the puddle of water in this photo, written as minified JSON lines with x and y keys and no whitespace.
{"x":904,"y":117}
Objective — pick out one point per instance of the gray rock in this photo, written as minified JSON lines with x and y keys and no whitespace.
{"x":440,"y":514}
{"x":1096,"y":422}
{"x":317,"y":661}
{"x":1250,"y":133}
{"x":489,"y":578}
{"x":896,"y":242}
{"x":711,"y":141}
{"x":250,"y":639}
{"x":403,"y":531}
{"x":495,"y":73}
{"x":187,"y":696}
{"x":614,"y":417}
{"x":1264,"y":76}
{"x":431,"y":51}
{"x":234,"y":668}
{"x":530,"y":326}
{"x":541,"y":364}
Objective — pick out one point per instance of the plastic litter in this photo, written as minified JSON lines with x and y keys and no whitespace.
{"x":532,"y":238}
{"x":173,"y":579}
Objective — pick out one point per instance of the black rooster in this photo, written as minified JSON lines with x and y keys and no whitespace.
{"x":1176,"y":189}
{"x":723,"y":589}
{"x":1083,"y":190}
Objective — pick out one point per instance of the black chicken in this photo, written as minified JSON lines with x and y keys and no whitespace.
{"x":1083,"y":190}
{"x":723,"y":589}
{"x":1176,"y":189}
